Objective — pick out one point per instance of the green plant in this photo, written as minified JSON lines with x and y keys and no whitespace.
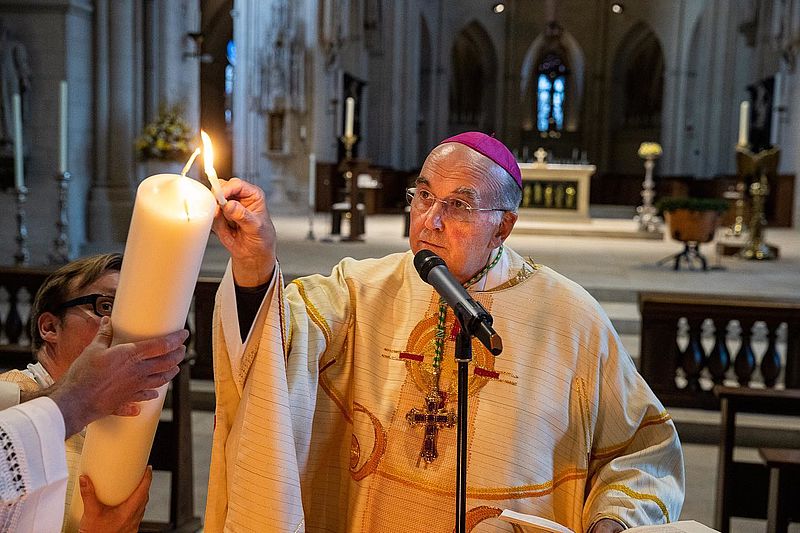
{"x":167,"y":137}
{"x":673,"y":203}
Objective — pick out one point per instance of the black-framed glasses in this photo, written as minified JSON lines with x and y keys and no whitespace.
{"x":101,"y":303}
{"x":455,"y":208}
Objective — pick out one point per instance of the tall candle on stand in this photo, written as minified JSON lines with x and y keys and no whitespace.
{"x":19,"y":167}
{"x":169,"y":230}
{"x":62,"y":128}
{"x":744,"y":121}
{"x":349,"y":114}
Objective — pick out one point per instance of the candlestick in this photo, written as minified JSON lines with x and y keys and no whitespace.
{"x":349,"y":116}
{"x":19,"y":165}
{"x":60,"y":253}
{"x":744,"y":121}
{"x":62,"y":122}
{"x":22,"y":257}
{"x":312,"y":198}
{"x":168,"y":234}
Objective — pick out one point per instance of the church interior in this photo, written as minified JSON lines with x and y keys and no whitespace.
{"x":617,"y":111}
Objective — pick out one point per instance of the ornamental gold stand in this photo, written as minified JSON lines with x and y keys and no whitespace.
{"x":352,"y":190}
{"x":759,"y":166}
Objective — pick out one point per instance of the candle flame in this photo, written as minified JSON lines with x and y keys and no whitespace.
{"x":191,"y":161}
{"x":208,"y":160}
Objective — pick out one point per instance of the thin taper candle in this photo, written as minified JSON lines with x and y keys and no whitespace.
{"x":208,"y":159}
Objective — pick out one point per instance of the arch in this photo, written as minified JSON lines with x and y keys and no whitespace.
{"x":638,"y":79}
{"x":473,"y":80}
{"x":575,"y":79}
{"x":636,"y":97}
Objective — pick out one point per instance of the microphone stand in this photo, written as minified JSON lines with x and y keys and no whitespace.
{"x":463,"y":355}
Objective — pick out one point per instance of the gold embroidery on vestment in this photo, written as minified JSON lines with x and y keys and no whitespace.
{"x":635,"y":495}
{"x":314,"y":313}
{"x":498,"y":493}
{"x":378,"y":449}
{"x":583,"y":408}
{"x":476,"y":515}
{"x":611,"y":451}
{"x":422,"y":341}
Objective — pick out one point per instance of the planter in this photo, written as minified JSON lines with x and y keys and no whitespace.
{"x":692,"y":226}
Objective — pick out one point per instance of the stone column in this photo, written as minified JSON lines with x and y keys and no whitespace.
{"x":111,"y":198}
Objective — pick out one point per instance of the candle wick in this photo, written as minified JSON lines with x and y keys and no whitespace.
{"x":190,"y":162}
{"x":186,"y":208}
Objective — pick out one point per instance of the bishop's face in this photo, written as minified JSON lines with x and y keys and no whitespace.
{"x":454,"y":171}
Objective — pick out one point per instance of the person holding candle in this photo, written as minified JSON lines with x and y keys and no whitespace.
{"x":317,"y":383}
{"x":70,"y":336}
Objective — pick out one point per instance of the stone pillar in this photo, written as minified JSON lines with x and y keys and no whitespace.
{"x":111,"y":199}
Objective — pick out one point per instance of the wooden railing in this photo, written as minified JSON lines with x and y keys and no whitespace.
{"x":691,"y":342}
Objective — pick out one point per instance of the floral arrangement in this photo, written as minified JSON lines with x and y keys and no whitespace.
{"x":167,"y":137}
{"x":649,"y":150}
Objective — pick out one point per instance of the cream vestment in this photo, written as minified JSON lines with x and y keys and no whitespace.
{"x":311,"y":429}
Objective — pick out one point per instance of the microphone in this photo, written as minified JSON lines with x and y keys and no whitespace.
{"x":472,"y":315}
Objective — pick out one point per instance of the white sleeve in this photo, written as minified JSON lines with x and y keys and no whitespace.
{"x":9,"y":394}
{"x":33,"y":467}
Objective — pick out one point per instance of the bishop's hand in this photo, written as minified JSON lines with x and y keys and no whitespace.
{"x":245,"y":228}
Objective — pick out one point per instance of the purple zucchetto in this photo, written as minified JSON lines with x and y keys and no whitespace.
{"x":491,"y":148}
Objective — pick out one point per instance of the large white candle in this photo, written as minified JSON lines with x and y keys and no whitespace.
{"x":19,"y":167}
{"x":312,"y":180}
{"x":62,"y":128}
{"x":169,"y":231}
{"x":349,"y":113}
{"x":744,"y":122}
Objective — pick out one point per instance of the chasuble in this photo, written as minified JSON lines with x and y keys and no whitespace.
{"x":322,"y":422}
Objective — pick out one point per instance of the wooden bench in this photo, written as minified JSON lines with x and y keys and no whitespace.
{"x":784,"y":477}
{"x":742,"y":487}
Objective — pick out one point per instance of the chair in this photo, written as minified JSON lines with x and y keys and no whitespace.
{"x":340,"y":208}
{"x":742,"y":487}
{"x":784,"y":470}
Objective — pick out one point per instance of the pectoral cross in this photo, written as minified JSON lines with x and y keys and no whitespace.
{"x":433,"y":417}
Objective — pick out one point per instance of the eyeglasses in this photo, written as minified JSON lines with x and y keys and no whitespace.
{"x":452,"y":208}
{"x":101,"y":304}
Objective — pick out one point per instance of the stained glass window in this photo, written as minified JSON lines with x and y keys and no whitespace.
{"x":551,"y":89}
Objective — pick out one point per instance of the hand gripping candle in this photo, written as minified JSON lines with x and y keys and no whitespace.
{"x":168,"y":234}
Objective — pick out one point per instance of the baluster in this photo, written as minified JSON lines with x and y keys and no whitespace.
{"x":745,"y":362}
{"x":719,"y":360}
{"x":694,"y":356}
{"x":681,"y":331}
{"x":13,"y":320}
{"x":771,"y":362}
{"x":29,"y":295}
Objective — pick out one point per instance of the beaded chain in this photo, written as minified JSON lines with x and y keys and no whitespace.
{"x":440,"y":326}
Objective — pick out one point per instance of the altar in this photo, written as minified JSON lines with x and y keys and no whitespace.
{"x":555,"y":191}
